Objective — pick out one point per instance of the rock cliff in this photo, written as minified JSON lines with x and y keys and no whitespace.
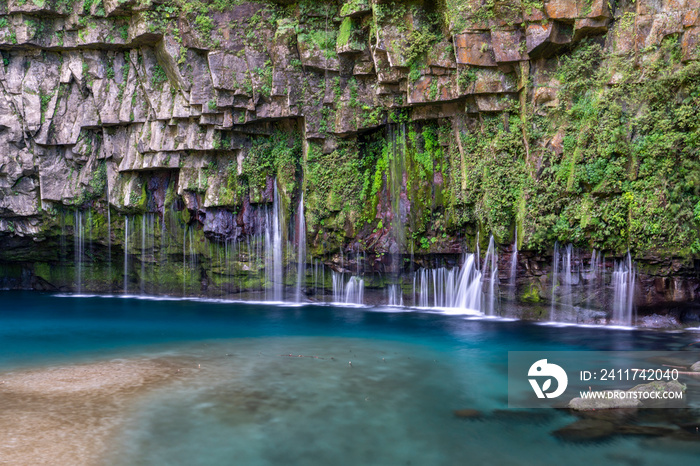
{"x":156,"y":129}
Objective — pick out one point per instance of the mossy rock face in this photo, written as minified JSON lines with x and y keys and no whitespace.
{"x":409,"y":127}
{"x":531,"y":293}
{"x":534,"y":312}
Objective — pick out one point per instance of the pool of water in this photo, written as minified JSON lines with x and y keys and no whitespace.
{"x":372,"y":385}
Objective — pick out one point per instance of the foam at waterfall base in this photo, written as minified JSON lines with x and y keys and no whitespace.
{"x":574,"y":324}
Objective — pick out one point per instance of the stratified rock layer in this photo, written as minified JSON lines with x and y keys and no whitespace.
{"x":143,"y":106}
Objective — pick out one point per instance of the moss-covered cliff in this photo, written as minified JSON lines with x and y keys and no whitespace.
{"x":412,"y":128}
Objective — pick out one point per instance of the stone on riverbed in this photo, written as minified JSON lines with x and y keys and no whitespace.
{"x":610,"y":401}
{"x":671,"y":386}
{"x":607,"y":402}
{"x":586,"y":430}
{"x":660,"y":387}
{"x":596,"y":429}
{"x":468,"y":413}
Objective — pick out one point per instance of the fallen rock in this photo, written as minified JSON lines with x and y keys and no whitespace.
{"x":695,"y":367}
{"x":608,"y":402}
{"x":586,"y":430}
{"x":617,"y":416}
{"x":691,"y":427}
{"x":540,"y":416}
{"x":468,"y":413}
{"x":648,"y":431}
{"x":659,"y":387}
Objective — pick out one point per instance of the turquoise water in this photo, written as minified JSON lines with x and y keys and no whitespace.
{"x":373,"y":387}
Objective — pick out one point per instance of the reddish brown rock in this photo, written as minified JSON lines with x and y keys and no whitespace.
{"x":431,"y":89}
{"x":537,"y":34}
{"x":586,"y":430}
{"x":474,"y":48}
{"x":594,"y":9}
{"x":468,"y":413}
{"x":649,"y":7}
{"x":691,"y":17}
{"x":494,"y":81}
{"x":385,"y":73}
{"x":561,"y":9}
{"x":542,"y":37}
{"x":690,"y":44}
{"x":442,"y":55}
{"x":494,"y":102}
{"x":509,"y":45}
{"x":532,"y":14}
{"x":586,"y":27}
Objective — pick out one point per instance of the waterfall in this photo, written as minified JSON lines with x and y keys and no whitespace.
{"x":319,"y":271}
{"x":394,"y":295}
{"x":395,"y":181}
{"x":490,"y":270}
{"x":184,"y":260}
{"x":564,"y":275}
{"x":79,"y":246}
{"x":555,"y":273}
{"x":513,"y":268}
{"x":109,"y":245}
{"x":593,"y":276}
{"x":273,"y":250}
{"x":189,"y":257}
{"x":623,"y":279}
{"x":453,"y":290}
{"x":355,"y":291}
{"x":109,"y":237}
{"x":126,"y":255}
{"x":301,"y":248}
{"x":351,"y":292}
{"x":469,"y":285}
{"x":338,"y":287}
{"x":143,"y":253}
{"x":568,"y":277}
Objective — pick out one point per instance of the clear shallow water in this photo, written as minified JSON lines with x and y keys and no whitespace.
{"x":252,"y":404}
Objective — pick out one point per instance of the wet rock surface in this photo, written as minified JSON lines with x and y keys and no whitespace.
{"x":130,"y":109}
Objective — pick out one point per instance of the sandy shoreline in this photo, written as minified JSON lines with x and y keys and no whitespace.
{"x":67,"y":414}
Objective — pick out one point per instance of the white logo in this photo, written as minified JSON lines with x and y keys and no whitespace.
{"x":542,"y":369}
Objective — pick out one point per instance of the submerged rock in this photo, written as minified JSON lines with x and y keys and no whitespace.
{"x":468,"y":413}
{"x":609,"y":401}
{"x":586,"y":430}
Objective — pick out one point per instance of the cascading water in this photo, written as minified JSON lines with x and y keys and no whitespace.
{"x":569,"y":274}
{"x":126,"y":255}
{"x":623,"y":281}
{"x":490,"y":270}
{"x":352,"y":292}
{"x":564,"y":275}
{"x":301,"y":249}
{"x":594,"y":276}
{"x":395,"y":182}
{"x":454,"y":290}
{"x":394,"y":295}
{"x":143,"y":255}
{"x":189,"y":259}
{"x":469,"y":285}
{"x":273,"y":250}
{"x":555,"y":282}
{"x":79,"y":247}
{"x":355,"y":291}
{"x":513,"y":268}
{"x":436,"y":287}
{"x":338,"y":287}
